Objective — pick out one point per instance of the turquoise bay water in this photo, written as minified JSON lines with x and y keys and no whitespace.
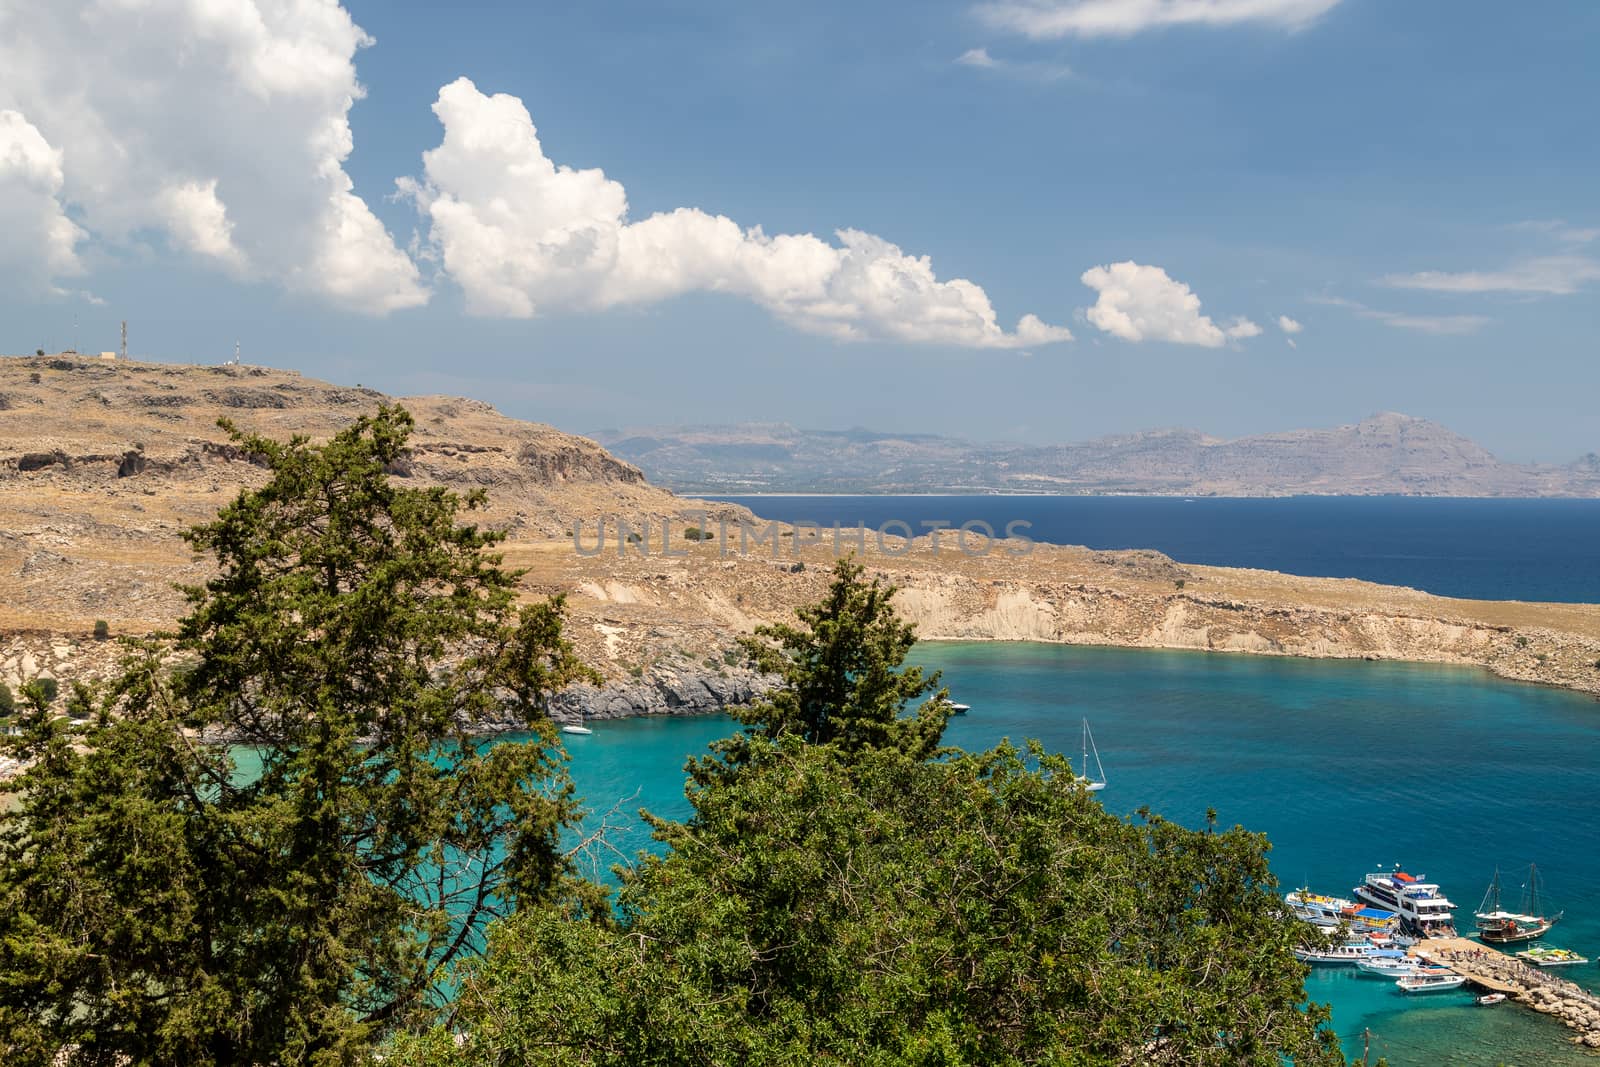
{"x":1344,"y":765}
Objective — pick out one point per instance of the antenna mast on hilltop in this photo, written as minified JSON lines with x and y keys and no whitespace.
{"x":236,"y":353}
{"x":124,"y":338}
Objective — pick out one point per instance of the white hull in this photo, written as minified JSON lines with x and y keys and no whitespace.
{"x":1431,"y":984}
{"x":576,"y":730}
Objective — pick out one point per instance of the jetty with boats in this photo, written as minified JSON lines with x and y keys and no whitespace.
{"x":1400,"y":927}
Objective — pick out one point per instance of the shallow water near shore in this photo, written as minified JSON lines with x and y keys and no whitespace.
{"x":1344,"y":765}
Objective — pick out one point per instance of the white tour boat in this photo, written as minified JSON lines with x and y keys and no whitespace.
{"x":1423,"y":910}
{"x":1336,"y":955}
{"x":1316,"y":908}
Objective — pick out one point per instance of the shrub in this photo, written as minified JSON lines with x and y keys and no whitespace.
{"x":8,"y":702}
{"x":38,"y":351}
{"x":1177,"y":583}
{"x":694,"y":533}
{"x":50,"y":687}
{"x":102,"y":629}
{"x":1522,"y":642}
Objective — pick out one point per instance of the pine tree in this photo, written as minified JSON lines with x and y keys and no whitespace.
{"x":841,"y":675}
{"x":276,"y":852}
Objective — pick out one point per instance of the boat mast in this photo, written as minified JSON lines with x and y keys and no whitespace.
{"x":1491,"y":897}
{"x":1088,"y":743}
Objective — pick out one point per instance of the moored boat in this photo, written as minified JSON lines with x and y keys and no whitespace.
{"x":1501,"y":927}
{"x":1337,"y":955}
{"x":1430,"y":983}
{"x":1492,"y":998}
{"x":1423,"y":910}
{"x":1093,"y":785}
{"x":1551,"y":957}
{"x":575,"y":729}
{"x":1390,"y":963}
{"x":1317,"y":909}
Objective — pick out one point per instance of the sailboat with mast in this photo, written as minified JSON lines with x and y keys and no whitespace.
{"x":1498,"y":926}
{"x":1092,"y":784}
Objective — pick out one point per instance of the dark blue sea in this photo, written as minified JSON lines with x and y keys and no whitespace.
{"x":1482,"y":549}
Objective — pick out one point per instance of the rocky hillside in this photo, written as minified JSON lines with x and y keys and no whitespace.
{"x":1385,"y":454}
{"x":103,"y":462}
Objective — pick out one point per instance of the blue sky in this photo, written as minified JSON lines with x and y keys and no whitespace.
{"x":1413,"y":185}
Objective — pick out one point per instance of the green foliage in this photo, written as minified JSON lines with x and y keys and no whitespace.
{"x":842,"y":682}
{"x":102,"y":629}
{"x":1522,"y":641}
{"x":694,"y":533}
{"x":48,"y":688}
{"x":837,"y":897}
{"x":160,"y":903}
{"x":1177,"y":583}
{"x":867,"y":908}
{"x":8,"y":701}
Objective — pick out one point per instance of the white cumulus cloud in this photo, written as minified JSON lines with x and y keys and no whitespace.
{"x":222,"y":125}
{"x":1142,"y":303}
{"x":40,"y":241}
{"x":1241,"y":328}
{"x":1288,"y":325}
{"x":521,"y":234}
{"x":1041,"y":19}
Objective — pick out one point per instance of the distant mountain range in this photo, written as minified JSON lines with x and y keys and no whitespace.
{"x":1385,"y":454}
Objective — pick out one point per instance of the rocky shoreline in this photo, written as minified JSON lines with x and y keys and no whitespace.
{"x":665,"y":689}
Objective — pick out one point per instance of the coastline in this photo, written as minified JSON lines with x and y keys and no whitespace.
{"x":662,"y":630}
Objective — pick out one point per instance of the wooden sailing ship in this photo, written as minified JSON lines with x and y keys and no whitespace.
{"x":1500,"y":927}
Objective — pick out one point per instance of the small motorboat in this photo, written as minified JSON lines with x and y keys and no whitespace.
{"x":958,"y":709}
{"x":1491,"y":998}
{"x":575,"y":729}
{"x":1430,"y":983}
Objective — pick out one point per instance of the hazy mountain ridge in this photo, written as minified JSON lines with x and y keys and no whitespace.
{"x":1385,"y":454}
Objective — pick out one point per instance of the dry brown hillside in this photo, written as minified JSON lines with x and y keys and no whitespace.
{"x":103,"y":463}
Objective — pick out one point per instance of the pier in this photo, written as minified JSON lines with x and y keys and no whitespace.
{"x":1535,"y":987}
